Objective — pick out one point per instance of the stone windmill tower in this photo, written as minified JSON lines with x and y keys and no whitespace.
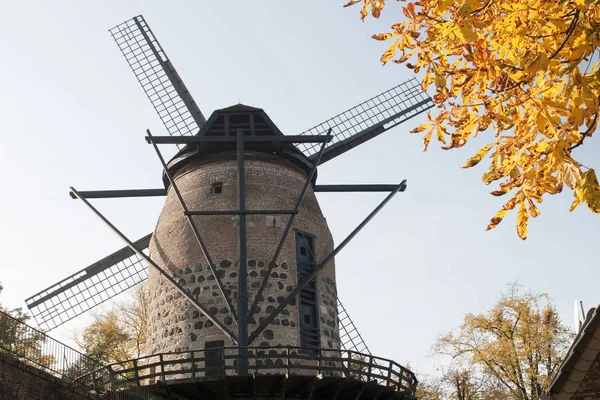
{"x":240,"y":268}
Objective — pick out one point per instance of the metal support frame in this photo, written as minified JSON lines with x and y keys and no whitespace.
{"x":168,"y":277}
{"x":242,"y":255}
{"x":309,"y":177}
{"x":246,"y":212}
{"x":232,"y":139}
{"x":109,"y":194}
{"x":400,"y":188}
{"x":190,"y":220}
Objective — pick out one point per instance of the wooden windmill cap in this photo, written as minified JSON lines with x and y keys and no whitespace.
{"x":227,"y":122}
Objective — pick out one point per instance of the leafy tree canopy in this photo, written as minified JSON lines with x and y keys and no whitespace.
{"x":118,"y":334}
{"x":526,"y":69}
{"x":510,"y":352}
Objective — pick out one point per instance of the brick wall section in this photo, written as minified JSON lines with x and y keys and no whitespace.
{"x":271,"y":183}
{"x":590,"y":387}
{"x":19,"y":381}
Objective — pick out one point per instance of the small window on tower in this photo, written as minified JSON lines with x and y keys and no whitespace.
{"x":217,"y":188}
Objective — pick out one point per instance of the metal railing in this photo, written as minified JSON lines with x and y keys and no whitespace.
{"x":222,"y":362}
{"x":35,"y":348}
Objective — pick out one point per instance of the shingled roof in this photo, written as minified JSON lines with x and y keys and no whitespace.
{"x":578,"y":377}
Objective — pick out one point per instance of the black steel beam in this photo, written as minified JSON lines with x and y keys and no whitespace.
{"x":165,"y":275}
{"x":271,"y":265}
{"x":247,"y":212}
{"x":232,"y":139}
{"x":355,"y":188}
{"x":242,"y":254}
{"x":109,"y":194}
{"x":203,"y":248}
{"x":321,"y":265}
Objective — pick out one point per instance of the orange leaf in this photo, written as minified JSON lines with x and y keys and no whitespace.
{"x":352,"y":2}
{"x":382,"y":36}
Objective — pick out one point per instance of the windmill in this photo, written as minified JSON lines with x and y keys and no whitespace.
{"x":240,"y":267}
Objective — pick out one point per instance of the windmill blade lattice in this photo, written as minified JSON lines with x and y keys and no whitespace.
{"x":157,"y":76}
{"x":369,"y":119}
{"x":350,"y":338}
{"x":89,"y":287}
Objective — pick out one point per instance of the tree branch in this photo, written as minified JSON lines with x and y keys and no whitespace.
{"x":586,"y":133}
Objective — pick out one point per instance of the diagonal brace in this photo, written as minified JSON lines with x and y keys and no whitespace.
{"x":288,"y":227}
{"x":186,"y":212}
{"x":140,"y":253}
{"x":400,"y":188}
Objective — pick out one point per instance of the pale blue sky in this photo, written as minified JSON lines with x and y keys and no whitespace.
{"x":73,"y":114}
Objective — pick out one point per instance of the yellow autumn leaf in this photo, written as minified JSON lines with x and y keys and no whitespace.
{"x":440,"y":81}
{"x":522,"y":220}
{"x":391,"y":51}
{"x":466,"y":34}
{"x":533,"y":210}
{"x":540,"y":122}
{"x":352,"y":2}
{"x":427,"y":138}
{"x":571,"y":175}
{"x":510,"y":204}
{"x":496,"y":219}
{"x":473,"y":161}
{"x":421,"y":128}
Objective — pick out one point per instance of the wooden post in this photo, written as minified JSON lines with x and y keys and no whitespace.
{"x":193,"y":365}
{"x":162,"y":368}
{"x":135,"y":371}
{"x":288,"y":360}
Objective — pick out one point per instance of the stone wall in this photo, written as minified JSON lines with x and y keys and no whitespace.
{"x":19,"y":381}
{"x":271,"y":183}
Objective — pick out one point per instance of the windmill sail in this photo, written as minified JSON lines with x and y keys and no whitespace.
{"x":350,"y":338}
{"x":369,"y":119}
{"x":157,"y":76}
{"x":89,"y":287}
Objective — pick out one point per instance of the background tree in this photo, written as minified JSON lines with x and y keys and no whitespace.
{"x":526,"y":68}
{"x":430,"y":389}
{"x":515,"y":348}
{"x":117,"y":334}
{"x":21,"y":340}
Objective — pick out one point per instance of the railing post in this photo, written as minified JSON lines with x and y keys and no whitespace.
{"x":370,"y":368}
{"x":193,"y":364}
{"x":319,"y":356}
{"x":135,"y":372}
{"x":162,"y":368}
{"x":113,"y":383}
{"x":389,"y":376}
{"x":349,"y":362}
{"x":256,"y":350}
{"x":288,"y":360}
{"x":224,"y":362}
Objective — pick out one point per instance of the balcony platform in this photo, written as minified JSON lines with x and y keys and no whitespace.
{"x":275,"y":387}
{"x":279,"y":372}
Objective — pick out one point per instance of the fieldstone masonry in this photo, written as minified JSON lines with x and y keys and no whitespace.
{"x":271,"y":183}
